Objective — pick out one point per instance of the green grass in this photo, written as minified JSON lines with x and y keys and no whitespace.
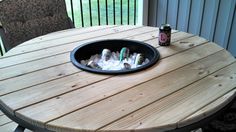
{"x":86,"y":17}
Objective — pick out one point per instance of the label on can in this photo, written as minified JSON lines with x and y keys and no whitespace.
{"x":164,"y":35}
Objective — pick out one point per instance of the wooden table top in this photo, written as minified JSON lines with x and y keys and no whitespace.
{"x":193,"y":79}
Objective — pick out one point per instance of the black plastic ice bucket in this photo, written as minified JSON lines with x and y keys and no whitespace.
{"x":85,"y":51}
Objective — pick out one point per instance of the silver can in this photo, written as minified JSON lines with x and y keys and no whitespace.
{"x":106,"y":54}
{"x":93,"y":65}
{"x":139,"y":59}
{"x":127,"y":66}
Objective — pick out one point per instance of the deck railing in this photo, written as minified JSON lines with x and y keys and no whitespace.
{"x":86,"y":13}
{"x":102,"y":12}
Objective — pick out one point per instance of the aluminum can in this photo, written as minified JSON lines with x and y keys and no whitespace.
{"x":124,"y":53}
{"x":93,"y":65}
{"x":139,"y":59}
{"x":106,"y":54}
{"x":164,"y":35}
{"x":127,"y":66}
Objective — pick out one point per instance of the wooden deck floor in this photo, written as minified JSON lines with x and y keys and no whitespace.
{"x":7,"y":125}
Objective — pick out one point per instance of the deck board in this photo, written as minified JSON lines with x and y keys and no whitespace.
{"x":117,"y":106}
{"x":193,"y":79}
{"x":16,"y":70}
{"x":209,"y":109}
{"x":176,"y":106}
{"x":164,"y":66}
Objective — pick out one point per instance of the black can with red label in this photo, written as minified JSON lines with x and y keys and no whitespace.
{"x":164,"y":35}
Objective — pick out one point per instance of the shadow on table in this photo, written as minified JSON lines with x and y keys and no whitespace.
{"x":226,"y":122}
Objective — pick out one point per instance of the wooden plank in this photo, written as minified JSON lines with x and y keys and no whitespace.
{"x":10,"y":127}
{"x":48,"y":90}
{"x":19,"y":70}
{"x":68,"y":40}
{"x":165,"y":113}
{"x":129,"y":101}
{"x":16,"y":70}
{"x":4,"y":120}
{"x":174,"y":37}
{"x":56,"y":88}
{"x":65,"y":33}
{"x":173,"y":49}
{"x":38,"y":77}
{"x":1,"y":113}
{"x":39,"y":54}
{"x":208,"y":109}
{"x":34,"y":78}
{"x":51,"y":109}
{"x":24,"y":68}
{"x":182,"y":45}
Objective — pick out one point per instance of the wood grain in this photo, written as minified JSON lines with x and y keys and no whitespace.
{"x":65,"y":33}
{"x":165,"y":113}
{"x":4,"y":120}
{"x":1,"y":113}
{"x":42,"y":50}
{"x":38,"y":77}
{"x":51,"y":109}
{"x":117,"y":106}
{"x":10,"y":127}
{"x":209,"y":109}
{"x":193,"y":79}
{"x":19,"y":69}
{"x":36,"y":91}
{"x":49,"y":90}
{"x":68,"y":39}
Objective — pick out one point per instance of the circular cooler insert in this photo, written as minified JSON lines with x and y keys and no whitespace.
{"x":85,"y":51}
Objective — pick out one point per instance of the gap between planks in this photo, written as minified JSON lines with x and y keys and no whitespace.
{"x":62,"y":73}
{"x":182,"y":45}
{"x":44,"y":53}
{"x":201,"y":54}
{"x":155,"y":80}
{"x":67,"y":40}
{"x":14,"y":72}
{"x":208,"y":109}
{"x":167,"y":120}
{"x":65,"y":33}
{"x":164,"y":55}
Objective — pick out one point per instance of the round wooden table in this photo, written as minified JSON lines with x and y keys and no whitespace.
{"x":41,"y":89}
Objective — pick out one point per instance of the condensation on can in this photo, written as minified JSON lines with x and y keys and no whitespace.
{"x":164,"y":35}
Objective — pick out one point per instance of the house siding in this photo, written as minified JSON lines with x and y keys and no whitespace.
{"x":212,"y":19}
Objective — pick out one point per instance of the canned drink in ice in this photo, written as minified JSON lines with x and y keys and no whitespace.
{"x":127,"y":66}
{"x":139,"y":59}
{"x":106,"y":54}
{"x":93,"y":65}
{"x":124,"y":53}
{"x":164,"y":35}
